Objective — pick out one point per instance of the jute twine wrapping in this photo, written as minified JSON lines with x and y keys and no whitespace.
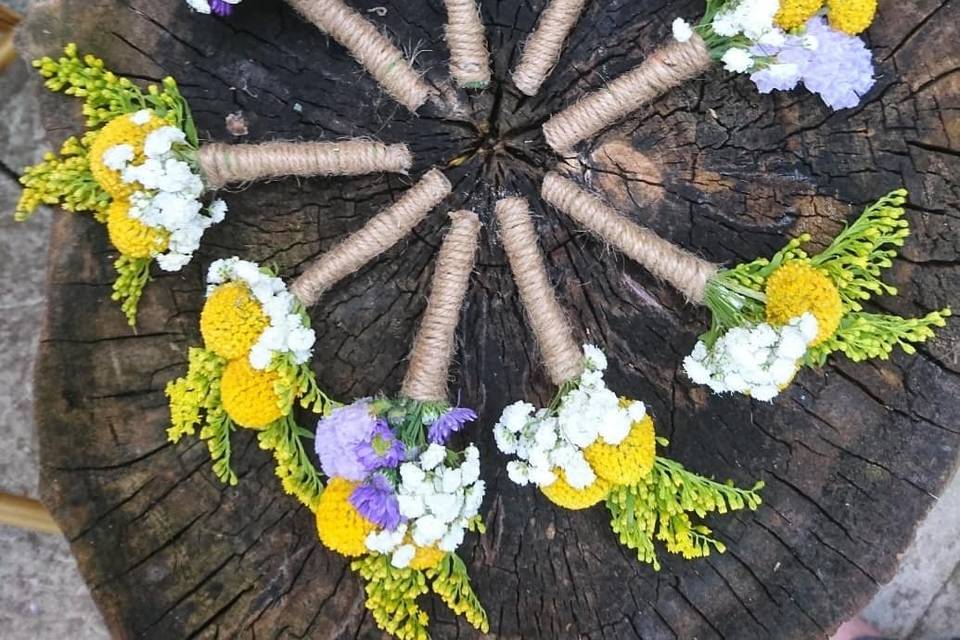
{"x":379,"y":234}
{"x":380,"y":57}
{"x":224,"y":164}
{"x":668,"y":67}
{"x":686,"y":272}
{"x":466,"y":38}
{"x":542,"y":49}
{"x":561,"y":354}
{"x":426,"y":378}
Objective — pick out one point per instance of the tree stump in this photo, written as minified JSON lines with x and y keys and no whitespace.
{"x":853,"y":455}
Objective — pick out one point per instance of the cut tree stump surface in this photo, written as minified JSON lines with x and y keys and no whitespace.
{"x":852,"y":455}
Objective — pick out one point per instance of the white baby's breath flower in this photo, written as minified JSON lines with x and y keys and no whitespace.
{"x":118,"y":156}
{"x":595,"y":358}
{"x":682,"y":31}
{"x":434,"y":455}
{"x":737,"y":60}
{"x":160,"y":141}
{"x":518,"y":472}
{"x":141,"y":117}
{"x":402,"y":556}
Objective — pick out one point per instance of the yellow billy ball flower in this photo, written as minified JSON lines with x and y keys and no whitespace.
{"x":130,"y":236}
{"x":797,"y":288}
{"x":426,"y":558}
{"x":340,"y":526}
{"x":248,"y":395}
{"x":627,"y":462}
{"x":795,"y":13}
{"x":232,"y":321}
{"x":120,"y":130}
{"x":562,"y":494}
{"x":851,"y":16}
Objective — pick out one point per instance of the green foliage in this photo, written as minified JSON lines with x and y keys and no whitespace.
{"x":862,"y":335}
{"x":392,"y":597}
{"x":195,"y":401}
{"x":409,"y":418}
{"x":659,"y":508}
{"x":293,"y":467}
{"x":133,"y":274}
{"x":63,"y":181}
{"x":858,"y":255}
{"x":106,"y":95}
{"x":451,"y":582}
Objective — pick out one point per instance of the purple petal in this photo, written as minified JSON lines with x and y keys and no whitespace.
{"x":377,"y":502}
{"x":449,"y":423}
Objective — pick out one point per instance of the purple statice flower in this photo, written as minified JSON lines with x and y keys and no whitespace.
{"x":451,"y":421}
{"x":338,"y":436}
{"x":833,"y":64}
{"x":381,"y":449}
{"x":840,"y":68}
{"x":377,"y":502}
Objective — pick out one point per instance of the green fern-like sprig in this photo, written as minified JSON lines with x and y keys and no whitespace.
{"x":392,"y":596}
{"x":133,"y":274}
{"x":450,"y":580}
{"x":659,"y":507}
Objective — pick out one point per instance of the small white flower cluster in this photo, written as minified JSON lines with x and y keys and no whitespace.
{"x":288,"y":332}
{"x":171,"y":191}
{"x":436,"y":500}
{"x":752,"y":19}
{"x":757,"y":361}
{"x":544,"y":440}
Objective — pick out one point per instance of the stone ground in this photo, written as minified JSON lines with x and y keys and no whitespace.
{"x":42,"y":596}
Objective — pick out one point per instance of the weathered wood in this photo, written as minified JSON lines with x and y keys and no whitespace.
{"x":852,"y":455}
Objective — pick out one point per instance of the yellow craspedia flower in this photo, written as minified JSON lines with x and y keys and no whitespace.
{"x":795,"y":13}
{"x":232,"y":320}
{"x":627,"y":462}
{"x":340,"y":526}
{"x":248,"y":395}
{"x":562,"y":494}
{"x":120,"y":130}
{"x":426,"y":558}
{"x":851,"y":16}
{"x":130,"y":236}
{"x":797,"y":288}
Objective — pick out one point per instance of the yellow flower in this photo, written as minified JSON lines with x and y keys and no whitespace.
{"x":120,"y":130}
{"x":851,"y":16}
{"x":131,"y":237}
{"x":232,"y":321}
{"x":426,"y":558}
{"x":248,"y":395}
{"x":795,"y":13}
{"x":562,"y":494}
{"x":340,"y":526}
{"x":797,"y":288}
{"x":627,"y":462}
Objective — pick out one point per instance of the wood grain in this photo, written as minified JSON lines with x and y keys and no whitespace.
{"x":852,"y":455}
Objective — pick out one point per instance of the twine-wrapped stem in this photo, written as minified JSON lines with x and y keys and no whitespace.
{"x":561,"y":355}
{"x":683,"y":270}
{"x":426,"y":378}
{"x":466,"y":38}
{"x":379,"y":234}
{"x":374,"y":51}
{"x":542,"y":49}
{"x":669,"y":66}
{"x":223,"y":164}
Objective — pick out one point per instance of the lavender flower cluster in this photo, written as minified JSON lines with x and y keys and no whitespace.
{"x":828,"y":62}
{"x":415,"y":490}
